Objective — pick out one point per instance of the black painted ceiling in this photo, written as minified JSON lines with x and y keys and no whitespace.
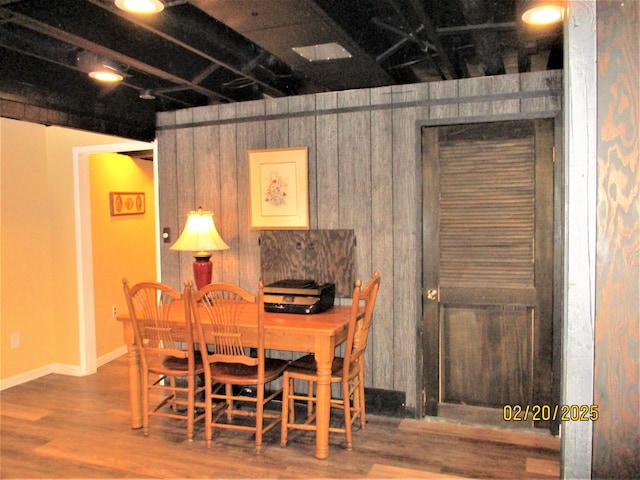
{"x":205,"y":52}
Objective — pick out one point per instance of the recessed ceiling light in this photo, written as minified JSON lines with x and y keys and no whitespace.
{"x":147,"y":94}
{"x":322,"y":52}
{"x":140,"y":6}
{"x":100,"y":68}
{"x":106,"y":75}
{"x":543,"y":12}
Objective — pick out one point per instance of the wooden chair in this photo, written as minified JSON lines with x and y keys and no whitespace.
{"x":162,"y":357}
{"x":216,"y":309}
{"x":348,"y":371}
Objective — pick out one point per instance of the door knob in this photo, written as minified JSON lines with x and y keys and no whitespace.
{"x":432,"y":294}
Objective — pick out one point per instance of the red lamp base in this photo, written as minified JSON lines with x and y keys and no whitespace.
{"x":202,"y":269}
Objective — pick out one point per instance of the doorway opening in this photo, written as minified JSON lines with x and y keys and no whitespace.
{"x":84,"y":249}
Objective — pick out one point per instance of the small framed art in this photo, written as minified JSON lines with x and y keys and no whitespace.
{"x":279,"y":189}
{"x":126,"y":203}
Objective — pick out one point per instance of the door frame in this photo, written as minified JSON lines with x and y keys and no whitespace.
{"x":84,"y":250}
{"x":427,"y":341}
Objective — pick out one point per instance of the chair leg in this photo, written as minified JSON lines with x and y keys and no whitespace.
{"x":363,"y":418}
{"x":172,"y":384}
{"x":259,"y":417}
{"x":310,"y":397}
{"x":208,"y":409}
{"x":145,"y":403}
{"x":286,"y":407}
{"x":357,"y":401}
{"x":190,"y":406}
{"x":346,"y":408}
{"x":291,"y":401}
{"x":228,"y":390}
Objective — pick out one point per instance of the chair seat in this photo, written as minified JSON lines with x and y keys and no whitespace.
{"x":181,"y":364}
{"x":240,"y":374}
{"x":306,"y":365}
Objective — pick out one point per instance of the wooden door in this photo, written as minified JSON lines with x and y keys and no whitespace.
{"x":488,"y":269}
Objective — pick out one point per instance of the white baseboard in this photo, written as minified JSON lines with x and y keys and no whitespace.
{"x":26,"y":377}
{"x":60,"y":368}
{"x":118,"y":352}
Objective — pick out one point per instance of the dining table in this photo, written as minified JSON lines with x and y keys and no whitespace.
{"x":318,"y":333}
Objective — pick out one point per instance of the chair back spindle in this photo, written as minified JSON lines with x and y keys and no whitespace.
{"x":222,"y":304}
{"x":362,"y":306}
{"x":150,"y":305}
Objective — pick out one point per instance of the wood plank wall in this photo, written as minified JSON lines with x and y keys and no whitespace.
{"x":365,"y":174}
{"x":616,"y":436}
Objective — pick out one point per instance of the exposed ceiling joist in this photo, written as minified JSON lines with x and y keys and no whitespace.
{"x":202,"y":52}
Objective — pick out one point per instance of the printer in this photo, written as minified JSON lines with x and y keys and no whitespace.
{"x":298,"y":296}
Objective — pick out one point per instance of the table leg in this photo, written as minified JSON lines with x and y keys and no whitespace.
{"x":133,"y":359}
{"x":324,"y":359}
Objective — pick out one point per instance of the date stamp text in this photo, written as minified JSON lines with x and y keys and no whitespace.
{"x":563,"y":413}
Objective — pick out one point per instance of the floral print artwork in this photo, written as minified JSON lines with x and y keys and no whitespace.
{"x":279,"y":188}
{"x":276,"y":193}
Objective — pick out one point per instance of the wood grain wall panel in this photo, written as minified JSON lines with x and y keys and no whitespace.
{"x":277,"y":128}
{"x":348,"y":129}
{"x":616,"y":436}
{"x":354,"y":136}
{"x":443,"y":100}
{"x":540,"y":81}
{"x":354,"y":140}
{"x":505,"y":85}
{"x":365,"y":175}
{"x":250,"y":136}
{"x":206,"y":151}
{"x":477,"y":91}
{"x":327,"y":198}
{"x":381,"y":339}
{"x":230,"y":206}
{"x":185,"y":185}
{"x":168,"y":196}
{"x":407,"y":173}
{"x":302,"y":132}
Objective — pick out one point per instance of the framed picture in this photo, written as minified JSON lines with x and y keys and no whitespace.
{"x":279,"y":189}
{"x":126,"y":203}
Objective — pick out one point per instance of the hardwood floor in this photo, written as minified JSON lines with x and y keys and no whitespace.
{"x":68,"y":427}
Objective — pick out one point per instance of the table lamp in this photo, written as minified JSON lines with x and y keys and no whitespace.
{"x":200,"y":236}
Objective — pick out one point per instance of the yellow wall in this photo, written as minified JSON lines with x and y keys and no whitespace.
{"x":123,"y":246}
{"x":38,"y":291}
{"x":26,"y":254}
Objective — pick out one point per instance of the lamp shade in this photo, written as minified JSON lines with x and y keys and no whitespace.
{"x":199,"y":234}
